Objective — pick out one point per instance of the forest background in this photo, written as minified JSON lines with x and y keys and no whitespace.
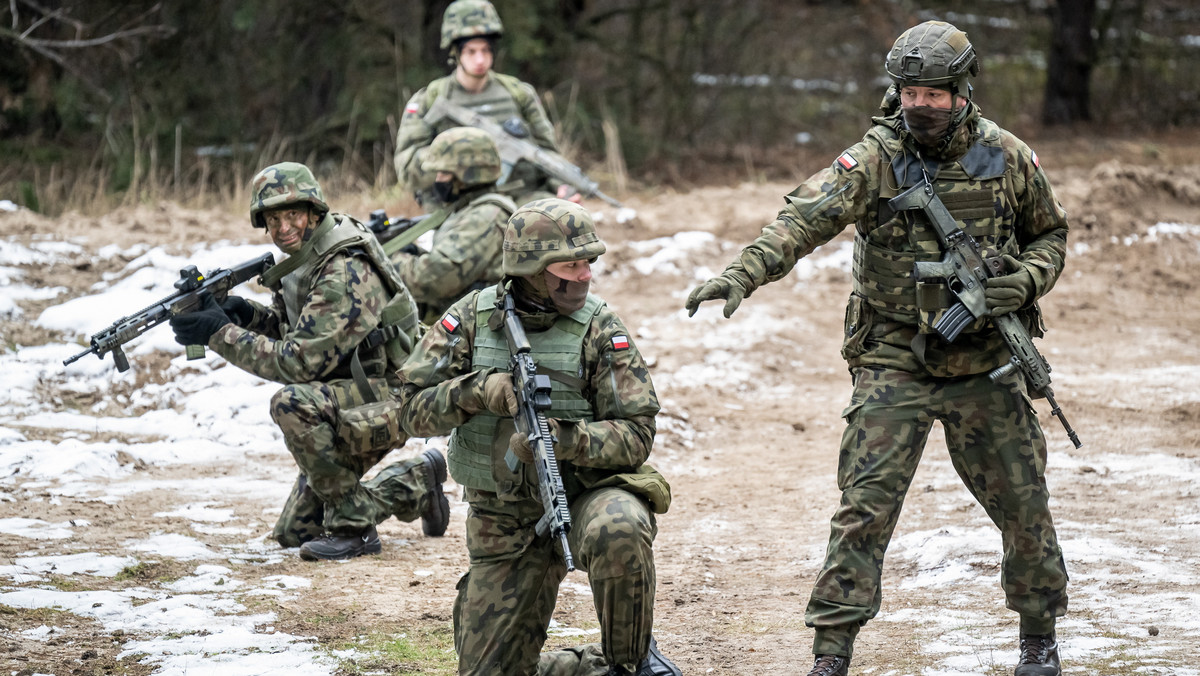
{"x":108,"y":102}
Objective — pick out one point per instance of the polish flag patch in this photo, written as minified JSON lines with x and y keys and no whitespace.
{"x":1036,"y":163}
{"x":450,"y":323}
{"x":412,"y":109}
{"x":620,"y":342}
{"x":847,"y":161}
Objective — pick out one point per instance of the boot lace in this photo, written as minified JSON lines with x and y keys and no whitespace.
{"x":1034,"y":649}
{"x":826,"y":665}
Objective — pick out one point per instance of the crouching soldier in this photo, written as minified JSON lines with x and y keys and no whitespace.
{"x":341,"y":322}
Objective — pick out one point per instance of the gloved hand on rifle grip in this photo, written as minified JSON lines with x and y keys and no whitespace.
{"x":519,"y":443}
{"x":197,"y":327}
{"x":238,"y":310}
{"x":1009,"y":292}
{"x":498,"y":395}
{"x":724,"y":286}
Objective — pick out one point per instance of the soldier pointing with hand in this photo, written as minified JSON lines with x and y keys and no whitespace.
{"x":906,"y":376}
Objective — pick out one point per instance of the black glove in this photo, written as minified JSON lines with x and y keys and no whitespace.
{"x":412,"y":249}
{"x":240,"y":311}
{"x":196,"y":328}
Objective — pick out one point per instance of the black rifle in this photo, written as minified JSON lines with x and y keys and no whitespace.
{"x":533,"y":399}
{"x":191,"y":285}
{"x":966,"y":273}
{"x":513,"y":146}
{"x":386,"y":229}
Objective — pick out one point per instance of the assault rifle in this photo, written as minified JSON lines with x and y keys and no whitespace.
{"x":966,"y":273}
{"x":533,"y":399}
{"x":513,"y":146}
{"x":397,"y":233}
{"x":191,"y":285}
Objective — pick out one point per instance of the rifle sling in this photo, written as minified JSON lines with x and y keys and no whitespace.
{"x":409,"y":236}
{"x":275,"y":274}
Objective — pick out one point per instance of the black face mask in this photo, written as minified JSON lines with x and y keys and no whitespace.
{"x":445,"y":191}
{"x":927,"y":124}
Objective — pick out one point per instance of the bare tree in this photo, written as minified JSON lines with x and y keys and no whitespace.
{"x":1069,"y":68}
{"x":41,"y":29}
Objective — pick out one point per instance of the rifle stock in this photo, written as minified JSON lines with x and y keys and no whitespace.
{"x":513,"y":149}
{"x":966,"y":273}
{"x":533,"y":399}
{"x":191,"y":285}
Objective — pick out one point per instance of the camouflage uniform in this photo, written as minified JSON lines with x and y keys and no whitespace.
{"x":905,"y":376}
{"x":466,"y":246}
{"x":321,"y":313}
{"x":503,"y":98}
{"x":605,"y":405}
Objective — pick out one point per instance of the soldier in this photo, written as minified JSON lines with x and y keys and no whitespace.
{"x":602,"y":418}
{"x":340,"y":323}
{"x":466,"y":246}
{"x":471,"y":29}
{"x":905,"y":376}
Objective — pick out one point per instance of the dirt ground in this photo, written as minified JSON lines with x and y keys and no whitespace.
{"x":748,"y":437}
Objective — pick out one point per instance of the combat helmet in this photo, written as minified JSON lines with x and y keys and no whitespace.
{"x":468,"y":153}
{"x":933,"y":54}
{"x":548,"y":231}
{"x":465,"y":19}
{"x":282,"y":184}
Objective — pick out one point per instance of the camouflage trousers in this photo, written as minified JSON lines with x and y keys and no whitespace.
{"x":506,"y":599}
{"x":328,"y":496}
{"x":997,"y":449}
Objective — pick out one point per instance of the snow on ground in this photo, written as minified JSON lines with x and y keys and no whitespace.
{"x":207,"y":414}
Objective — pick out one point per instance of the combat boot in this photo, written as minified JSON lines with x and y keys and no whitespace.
{"x":338,"y":547}
{"x":1039,"y":656}
{"x":830,"y":665}
{"x":656,"y":664}
{"x":436,"y":517}
{"x":653,"y":664}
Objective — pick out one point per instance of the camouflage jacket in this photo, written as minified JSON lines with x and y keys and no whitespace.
{"x":1010,"y":208}
{"x":439,"y":391}
{"x":341,"y":308}
{"x":503,"y":97}
{"x":465,"y":254}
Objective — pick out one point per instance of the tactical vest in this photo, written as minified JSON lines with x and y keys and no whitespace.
{"x":295,"y":278}
{"x":978,"y":193}
{"x":499,"y":103}
{"x":477,"y":448}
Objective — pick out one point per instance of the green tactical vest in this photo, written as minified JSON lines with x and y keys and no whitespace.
{"x":977,"y":192}
{"x":397,"y":330}
{"x":477,"y":448}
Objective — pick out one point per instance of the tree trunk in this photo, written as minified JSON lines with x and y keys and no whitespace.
{"x":1069,"y":67}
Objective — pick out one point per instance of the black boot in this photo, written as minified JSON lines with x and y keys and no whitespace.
{"x":1039,"y":656}
{"x":830,"y":665}
{"x":654,"y":664}
{"x":437,"y":515}
{"x":338,"y":547}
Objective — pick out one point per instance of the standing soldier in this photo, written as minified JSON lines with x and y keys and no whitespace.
{"x":905,"y":376}
{"x":471,"y":30}
{"x":466,"y":245}
{"x":341,"y":322}
{"x":602,"y":418}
